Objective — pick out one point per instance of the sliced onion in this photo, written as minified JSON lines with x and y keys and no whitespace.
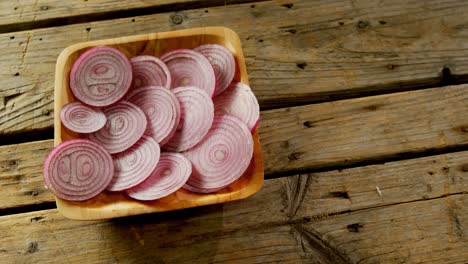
{"x":201,"y":190}
{"x":125,"y":125}
{"x":247,"y":173}
{"x":223,"y":156}
{"x":101,"y":76}
{"x":134,"y":165}
{"x":197,"y":114}
{"x":162,"y":110}
{"x":238,"y":100}
{"x":190,"y":68}
{"x":82,"y":119}
{"x":149,"y":70}
{"x":223,"y":64}
{"x":77,"y":170}
{"x":171,"y":173}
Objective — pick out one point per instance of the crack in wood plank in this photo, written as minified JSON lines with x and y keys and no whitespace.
{"x":316,"y":248}
{"x":296,"y":187}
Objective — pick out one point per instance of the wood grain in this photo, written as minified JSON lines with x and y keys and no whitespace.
{"x":370,"y":128}
{"x":324,"y":135}
{"x":21,"y":181}
{"x":27,"y":14}
{"x":332,"y":49}
{"x":432,"y":231}
{"x":255,"y":230}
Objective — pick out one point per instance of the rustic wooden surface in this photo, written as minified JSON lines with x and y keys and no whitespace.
{"x":26,"y":14}
{"x":379,"y":177}
{"x":294,"y":53}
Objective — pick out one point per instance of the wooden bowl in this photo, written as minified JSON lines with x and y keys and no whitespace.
{"x":110,"y":205}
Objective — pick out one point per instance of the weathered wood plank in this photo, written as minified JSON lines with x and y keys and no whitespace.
{"x":298,"y":52}
{"x":350,"y":131}
{"x":433,"y":231}
{"x":27,"y":14}
{"x":21,"y":181}
{"x":254,"y":230}
{"x":318,"y":136}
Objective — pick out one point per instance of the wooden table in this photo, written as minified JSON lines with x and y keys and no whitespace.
{"x":364,"y":133}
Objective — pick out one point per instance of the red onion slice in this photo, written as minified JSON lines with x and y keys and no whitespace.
{"x":201,"y":190}
{"x":149,"y":70}
{"x":82,"y":119}
{"x":190,"y":68}
{"x":223,"y":64}
{"x":134,"y":165}
{"x":223,"y":156}
{"x":77,"y":170}
{"x":238,"y":100}
{"x":162,"y":110}
{"x":171,"y":173}
{"x":197,"y":114}
{"x":125,"y":125}
{"x":101,"y":76}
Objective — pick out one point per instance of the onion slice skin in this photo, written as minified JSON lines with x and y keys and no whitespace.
{"x":238,"y":100}
{"x":223,"y":64}
{"x":190,"y":68}
{"x":125,"y":125}
{"x":101,"y":76}
{"x":223,"y":156}
{"x":162,"y":110}
{"x":171,"y":173}
{"x":135,"y":164}
{"x":197,"y":112}
{"x":149,"y":71}
{"x":78,"y":170}
{"x":82,"y":119}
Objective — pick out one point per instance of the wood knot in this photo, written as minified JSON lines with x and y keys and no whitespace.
{"x":344,"y":195}
{"x":301,"y":65}
{"x":445,"y":169}
{"x":288,"y":6}
{"x":44,"y":8}
{"x":462,"y":129}
{"x":292,"y":31}
{"x":464,"y":168}
{"x":177,"y":19}
{"x":354,"y":227}
{"x":381,"y":22}
{"x":294,"y":156}
{"x":362,"y":24}
{"x":446,"y":77}
{"x":373,"y":107}
{"x":88,"y":29}
{"x":32,"y":193}
{"x":391,"y":66}
{"x":37,"y":218}
{"x":32,"y":247}
{"x":308,"y":124}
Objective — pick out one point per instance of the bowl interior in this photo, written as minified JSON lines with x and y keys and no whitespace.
{"x":109,"y":205}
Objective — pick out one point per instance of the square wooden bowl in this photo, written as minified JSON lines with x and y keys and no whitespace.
{"x":111,"y":205}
